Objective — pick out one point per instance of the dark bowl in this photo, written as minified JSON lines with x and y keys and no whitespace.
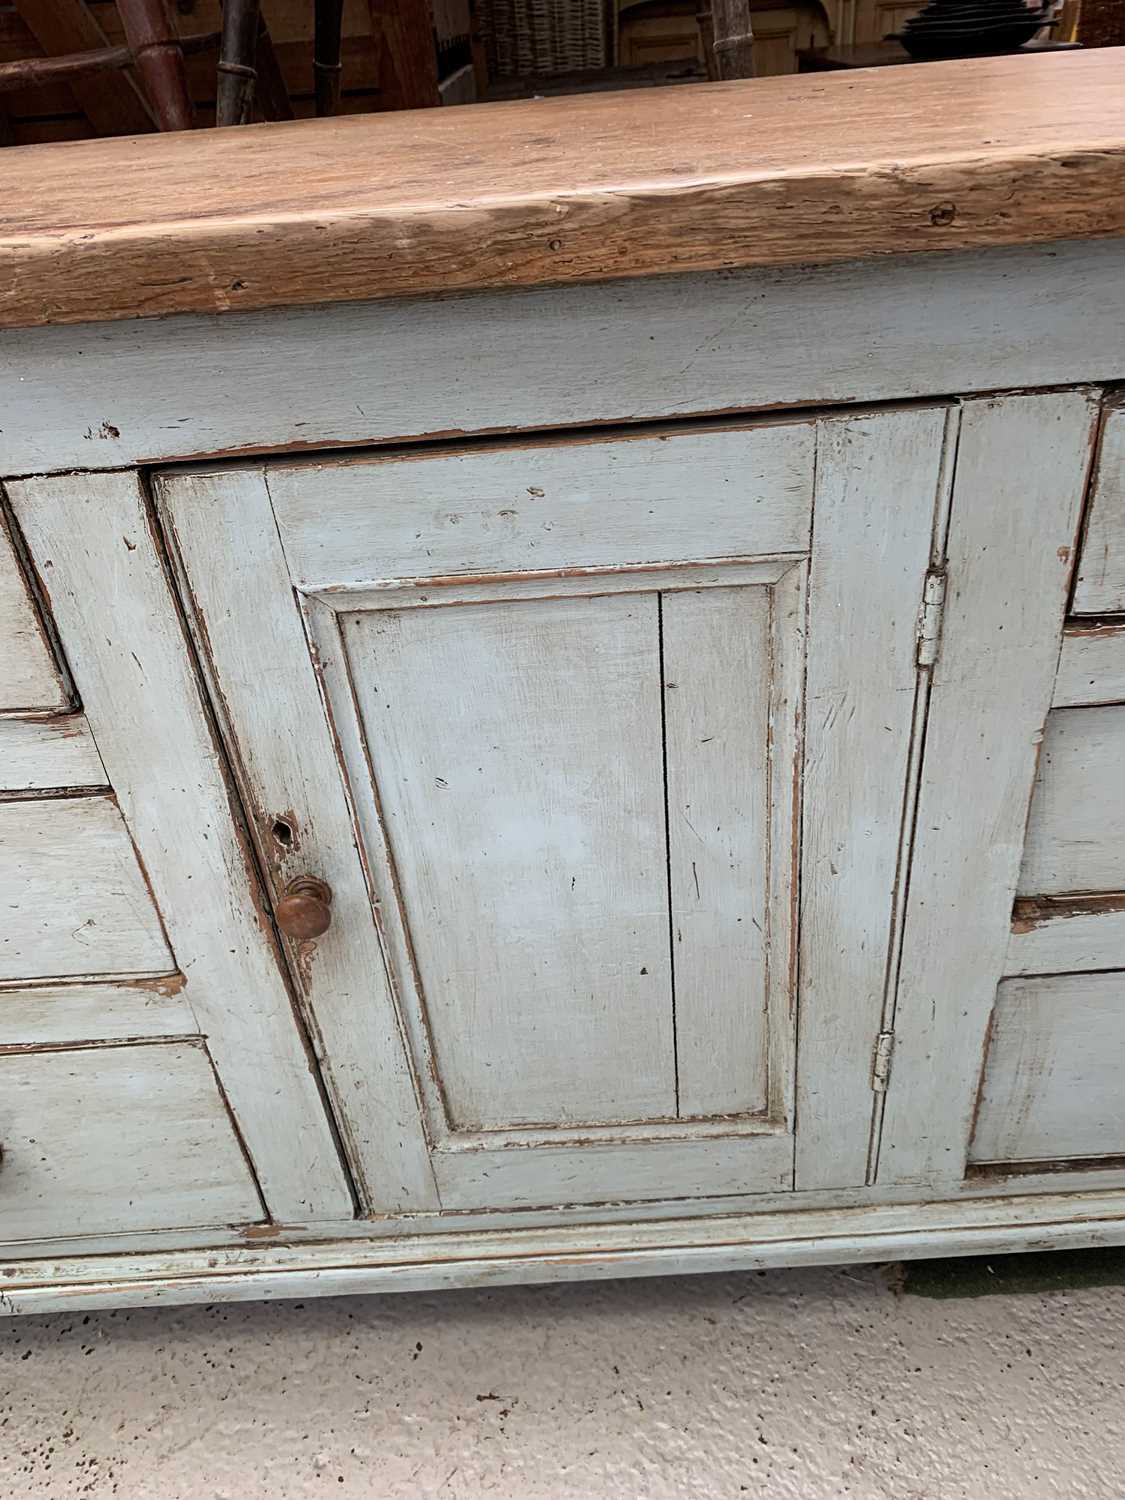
{"x":1005,"y":10}
{"x":967,"y":41}
{"x":967,"y":23}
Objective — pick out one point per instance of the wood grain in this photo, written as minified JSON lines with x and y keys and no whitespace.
{"x":144,"y":704}
{"x":1061,"y":935}
{"x":59,"y":1015}
{"x":249,"y":630}
{"x":548,"y":505}
{"x":1091,"y":665}
{"x":1017,"y":494}
{"x":117,"y":1139}
{"x":1100,"y":588}
{"x":1076,"y":828}
{"x":994,"y":151}
{"x":717,"y":669}
{"x":29,"y":677}
{"x":114,"y":395}
{"x":75,"y":900}
{"x":46,"y":753}
{"x":1052,"y":1078}
{"x":61,"y":1281}
{"x":517,"y":753}
{"x":878,"y":484}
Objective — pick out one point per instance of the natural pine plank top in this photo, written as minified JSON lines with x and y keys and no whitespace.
{"x":993,"y":151}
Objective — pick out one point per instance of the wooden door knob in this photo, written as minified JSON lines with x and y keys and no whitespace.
{"x":305,"y":908}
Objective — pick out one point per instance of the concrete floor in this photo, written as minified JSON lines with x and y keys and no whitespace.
{"x":807,"y":1384}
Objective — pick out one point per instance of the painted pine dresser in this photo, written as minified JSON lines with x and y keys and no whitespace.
{"x":562,"y":688}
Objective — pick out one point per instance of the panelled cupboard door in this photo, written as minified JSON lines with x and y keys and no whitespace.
{"x":537,"y":714}
{"x":1022,"y":467}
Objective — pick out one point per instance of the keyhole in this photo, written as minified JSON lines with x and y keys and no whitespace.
{"x":282,"y":832}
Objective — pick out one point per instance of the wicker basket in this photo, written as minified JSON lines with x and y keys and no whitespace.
{"x":533,"y":37}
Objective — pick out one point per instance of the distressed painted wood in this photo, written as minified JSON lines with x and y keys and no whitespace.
{"x":1057,"y":935}
{"x":643,"y":578}
{"x":879,"y":487}
{"x":558,"y":1162}
{"x":588,"y":1171}
{"x":533,"y":1166}
{"x":117,"y":1139}
{"x":44,"y":754}
{"x":74,"y":897}
{"x":250,"y":634}
{"x":1052,"y":1076}
{"x":842,"y":1235}
{"x":1091,"y":665}
{"x":1017,"y":495}
{"x":103,"y":397}
{"x":58,"y":1015}
{"x":716,"y":648}
{"x":90,"y":538}
{"x":391,"y":671}
{"x":394,"y":669}
{"x":781,"y":170}
{"x":568,"y":504}
{"x":517,"y":756}
{"x":1076,"y":828}
{"x":1100,"y":588}
{"x":29,"y":678}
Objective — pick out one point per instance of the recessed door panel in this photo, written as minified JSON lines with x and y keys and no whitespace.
{"x":516,"y":754}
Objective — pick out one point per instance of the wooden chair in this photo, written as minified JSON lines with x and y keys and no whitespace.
{"x":78,"y":55}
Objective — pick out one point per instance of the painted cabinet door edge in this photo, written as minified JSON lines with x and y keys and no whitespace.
{"x":1022,"y":465}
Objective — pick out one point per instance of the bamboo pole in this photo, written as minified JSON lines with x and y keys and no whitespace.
{"x":234,"y":94}
{"x":30,"y":72}
{"x":733,"y":44}
{"x":154,"y":44}
{"x":327,"y":42}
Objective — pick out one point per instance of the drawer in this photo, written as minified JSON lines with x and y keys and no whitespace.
{"x":30,"y":680}
{"x":1076,"y":827}
{"x":1100,"y":586}
{"x":75,"y":899}
{"x":1091,"y":664}
{"x":108,"y":1140}
{"x":1052,"y":1077}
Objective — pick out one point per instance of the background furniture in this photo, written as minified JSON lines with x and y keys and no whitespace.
{"x":575,"y":734}
{"x":392,"y":54}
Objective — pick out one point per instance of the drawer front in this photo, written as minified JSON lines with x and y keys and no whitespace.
{"x":75,"y":898}
{"x":107,"y":1140}
{"x":1100,"y":588}
{"x":1076,"y":829}
{"x":1052,"y":1078}
{"x":30,"y":680}
{"x":1091,"y":664}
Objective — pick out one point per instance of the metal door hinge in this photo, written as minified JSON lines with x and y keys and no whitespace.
{"x":881,"y":1062}
{"x":930,"y":617}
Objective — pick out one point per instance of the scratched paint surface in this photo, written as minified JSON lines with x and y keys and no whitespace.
{"x":814,"y":1384}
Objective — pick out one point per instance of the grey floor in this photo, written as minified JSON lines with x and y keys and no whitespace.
{"x":806,"y":1383}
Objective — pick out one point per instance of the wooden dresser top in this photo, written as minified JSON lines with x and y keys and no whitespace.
{"x":825,"y":166}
